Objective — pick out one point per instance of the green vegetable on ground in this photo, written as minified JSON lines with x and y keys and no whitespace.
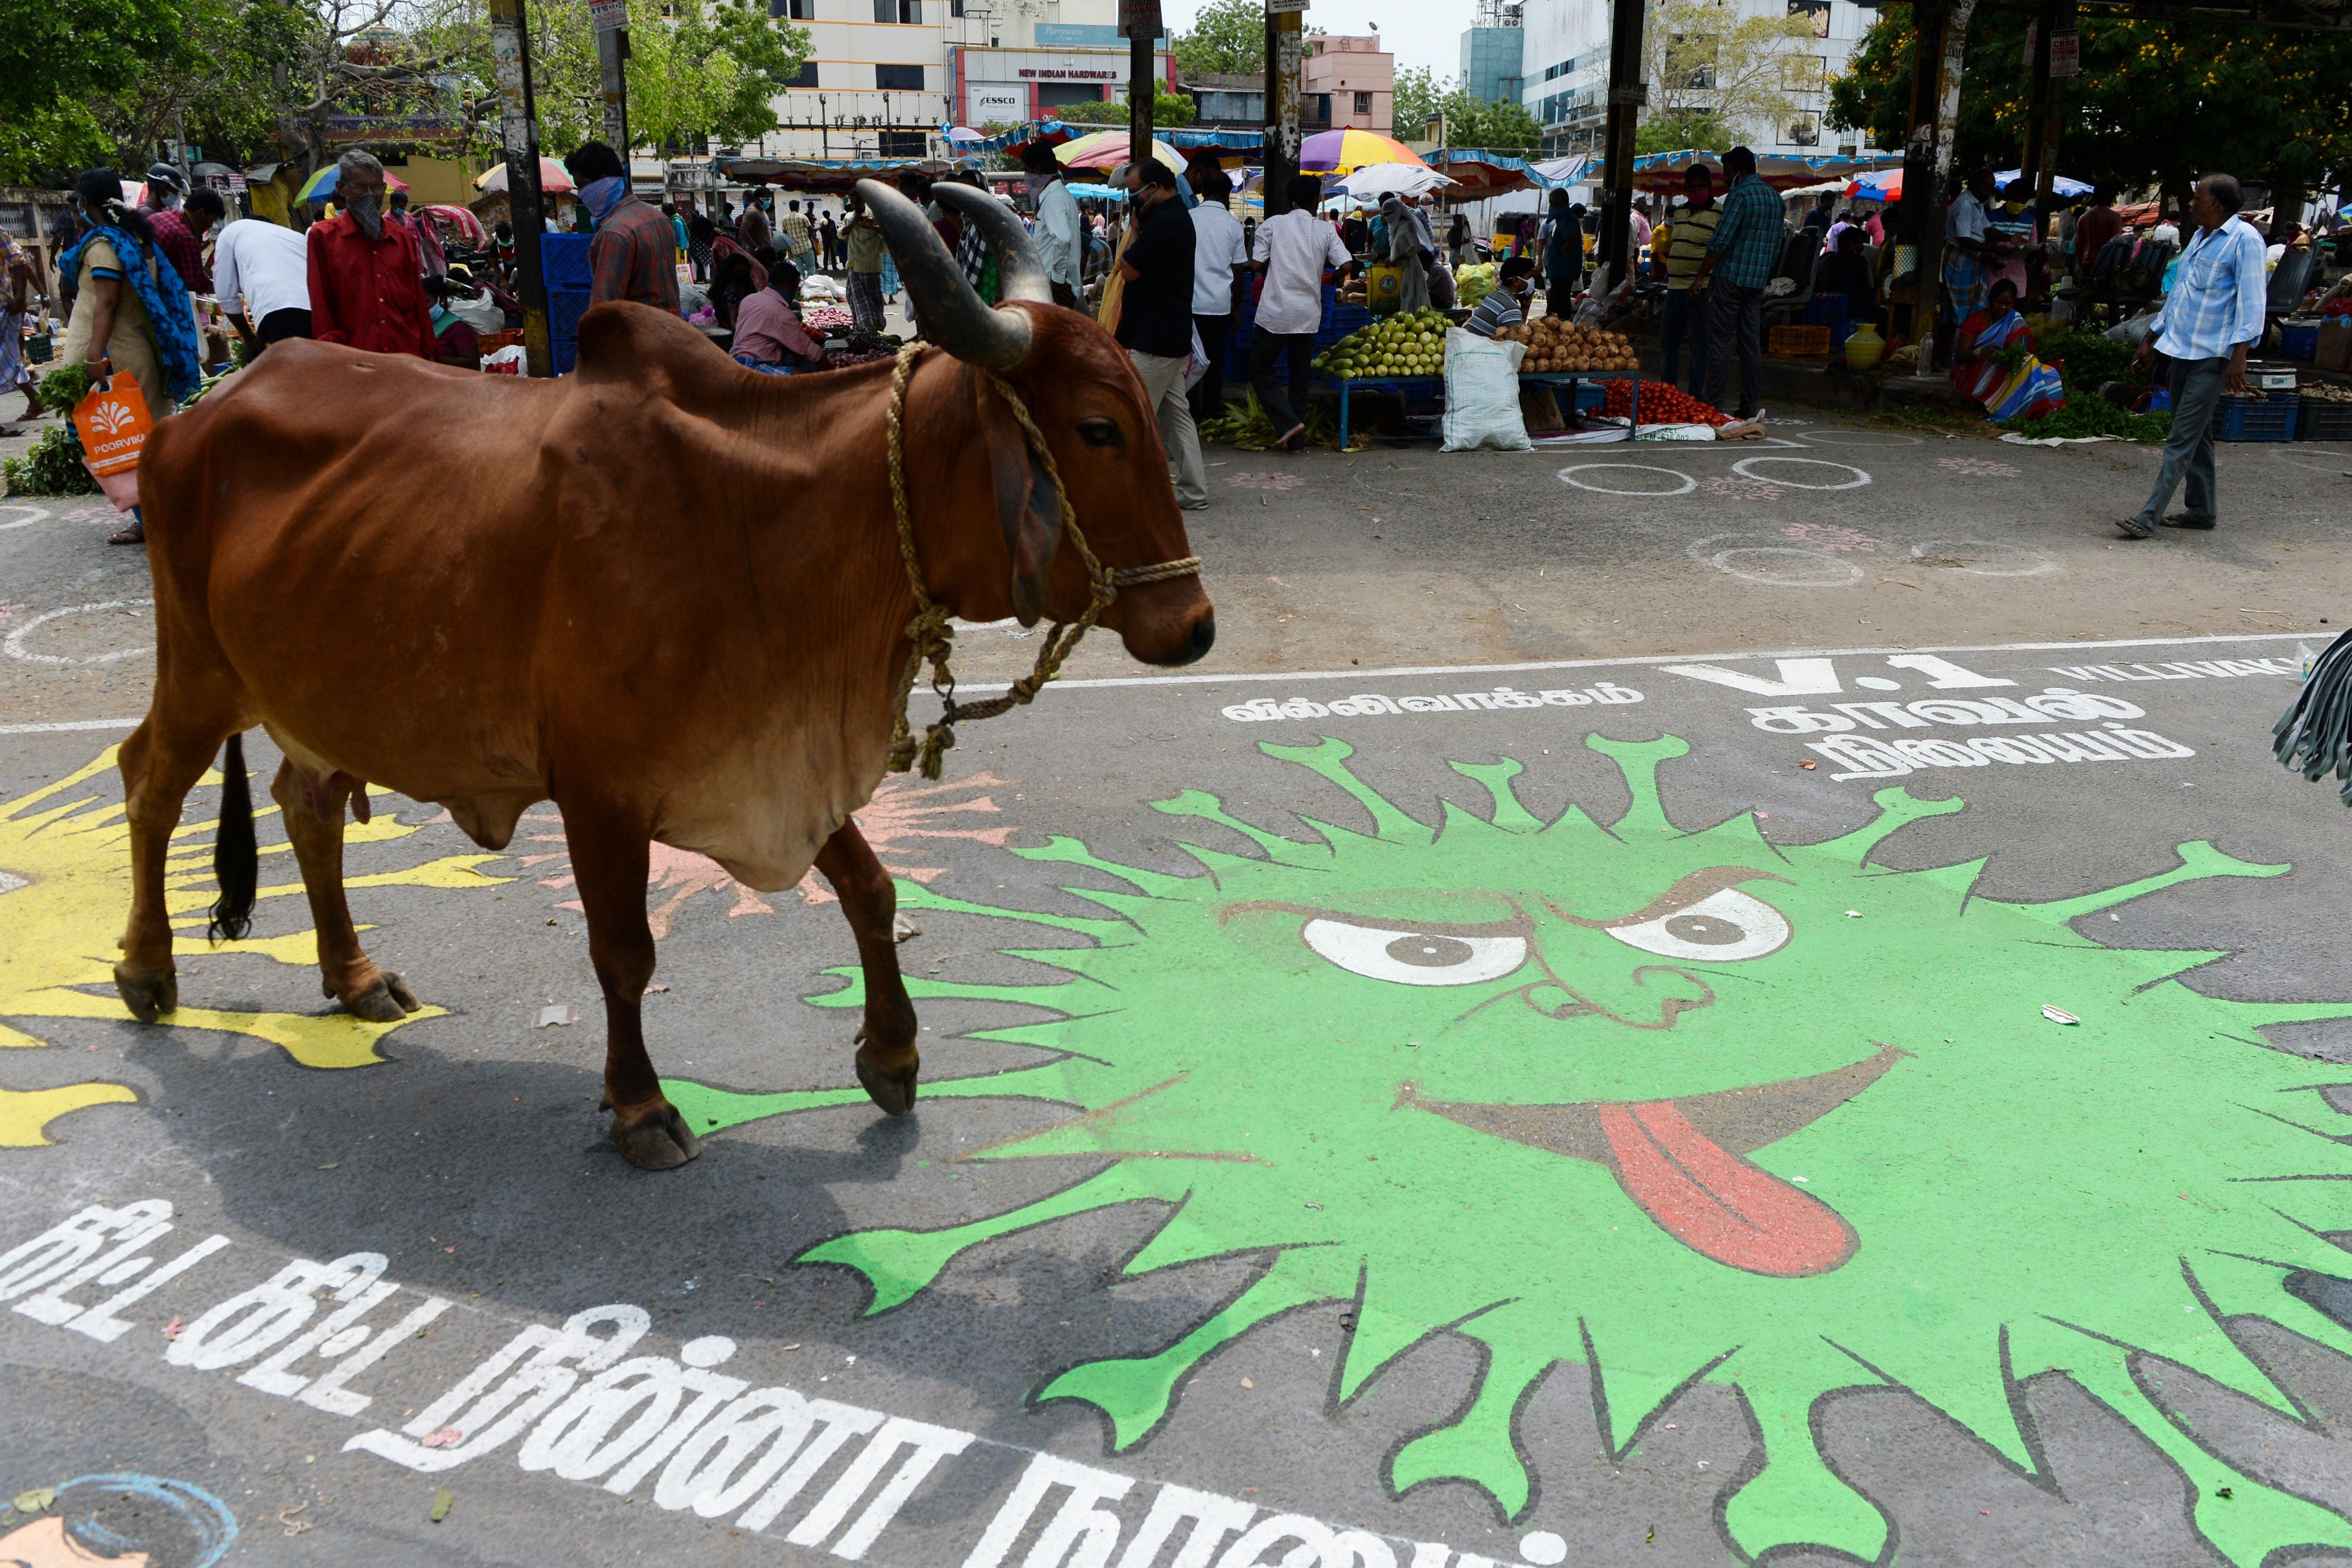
{"x":2088,"y":414}
{"x":53,"y":468}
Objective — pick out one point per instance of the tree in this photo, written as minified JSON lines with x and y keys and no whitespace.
{"x":1678,"y":132}
{"x":1495,"y":125}
{"x":1228,"y":38}
{"x":1711,"y":67}
{"x":1169,"y":108}
{"x":56,"y":52}
{"x":2154,"y":103}
{"x":1419,"y":93}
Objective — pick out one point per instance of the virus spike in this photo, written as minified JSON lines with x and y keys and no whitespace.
{"x":915,"y":895}
{"x":326,"y":1040}
{"x":2233,"y":1286}
{"x":1382,"y":1334}
{"x":898,"y":1263}
{"x":1630,"y":1393}
{"x":101,"y":763}
{"x":1496,"y":777}
{"x":1897,"y":808}
{"x":707,"y":1108}
{"x":12,"y":1039}
{"x":1134,"y":1392}
{"x":1329,"y":759}
{"x":1070,"y":851}
{"x":1798,"y":1497}
{"x":1478,"y":1447}
{"x":2198,"y":860}
{"x":1208,"y":808}
{"x":25,"y":1114}
{"x":1638,"y":760}
{"x":2256,"y":1015}
{"x":853,"y":995}
{"x":1960,"y":876}
{"x":2244,"y":1526}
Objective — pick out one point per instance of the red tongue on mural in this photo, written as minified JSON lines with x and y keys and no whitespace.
{"x":1717,"y":1202}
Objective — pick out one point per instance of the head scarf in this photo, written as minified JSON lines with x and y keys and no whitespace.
{"x":171,"y":315}
{"x":603,"y":194}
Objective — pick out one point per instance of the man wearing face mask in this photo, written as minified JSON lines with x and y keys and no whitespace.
{"x":1061,"y":235}
{"x":632,"y":255}
{"x":366,"y":273}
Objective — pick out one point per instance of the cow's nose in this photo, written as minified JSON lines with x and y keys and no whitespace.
{"x":1205,"y":637}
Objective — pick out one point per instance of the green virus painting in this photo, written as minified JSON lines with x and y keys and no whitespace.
{"x":1681,"y":1105}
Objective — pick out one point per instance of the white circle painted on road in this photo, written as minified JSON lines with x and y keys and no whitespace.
{"x":1775,"y":565}
{"x":1861,"y":438}
{"x":1983,"y":557}
{"x":1684,"y":482}
{"x":15,"y":647}
{"x":1543,"y":1548}
{"x":32,"y":515}
{"x":1747,"y":467}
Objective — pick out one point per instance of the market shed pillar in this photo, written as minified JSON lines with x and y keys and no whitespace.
{"x":1627,"y":94}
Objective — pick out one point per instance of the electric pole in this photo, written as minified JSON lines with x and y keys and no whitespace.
{"x":518,"y":125}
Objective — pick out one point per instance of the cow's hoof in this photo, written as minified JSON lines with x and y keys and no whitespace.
{"x":656,"y":1138}
{"x":894,"y":1091}
{"x":149,"y":996}
{"x":388,"y":1000}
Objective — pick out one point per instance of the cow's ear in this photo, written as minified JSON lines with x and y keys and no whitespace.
{"x":1027,"y":506}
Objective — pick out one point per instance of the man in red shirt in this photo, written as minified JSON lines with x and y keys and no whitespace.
{"x":366,"y":275}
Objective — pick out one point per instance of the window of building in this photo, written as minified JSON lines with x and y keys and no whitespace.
{"x":904,"y":144}
{"x":796,"y":10}
{"x":1805,"y":132}
{"x":808,"y":72}
{"x":898,"y":78}
{"x":1363,"y":103}
{"x":1054,"y":94}
{"x":907,"y":12}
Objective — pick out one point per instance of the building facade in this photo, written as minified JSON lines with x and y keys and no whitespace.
{"x":1349,"y":83}
{"x":1565,"y":72}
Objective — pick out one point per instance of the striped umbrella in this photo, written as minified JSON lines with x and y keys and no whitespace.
{"x":1107,"y":150}
{"x":1345,"y":151}
{"x":321,"y":186}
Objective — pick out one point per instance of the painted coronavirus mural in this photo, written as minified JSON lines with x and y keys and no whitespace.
{"x":1681,"y":1105}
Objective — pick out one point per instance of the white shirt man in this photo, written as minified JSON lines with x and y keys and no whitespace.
{"x":1220,"y":260}
{"x":1060,"y":234}
{"x":268,"y":268}
{"x":1294,"y":247}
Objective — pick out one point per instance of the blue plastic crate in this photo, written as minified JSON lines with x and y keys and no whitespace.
{"x":2299,"y":342}
{"x":564,"y":308}
{"x":1827,"y":310}
{"x":566,"y":355}
{"x":564,"y":259}
{"x":2271,"y":418}
{"x":2325,"y":421}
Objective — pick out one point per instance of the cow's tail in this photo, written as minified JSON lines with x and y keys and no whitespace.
{"x":236,"y":863}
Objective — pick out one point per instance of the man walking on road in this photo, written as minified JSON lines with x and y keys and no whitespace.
{"x":1155,"y":318}
{"x":366,"y":275}
{"x":2214,"y":315}
{"x":863,"y":240}
{"x":1738,"y":265}
{"x":1219,"y":261}
{"x":632,"y":254}
{"x":1292,"y":249}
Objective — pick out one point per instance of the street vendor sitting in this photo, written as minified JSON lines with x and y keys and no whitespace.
{"x":1993,"y":361}
{"x":768,"y":337}
{"x":1506,"y":304}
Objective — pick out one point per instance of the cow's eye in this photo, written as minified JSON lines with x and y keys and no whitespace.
{"x":1724,"y":926}
{"x":1100,"y":432}
{"x":1415,"y":957}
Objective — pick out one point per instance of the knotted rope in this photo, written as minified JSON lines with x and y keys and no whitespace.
{"x":932,"y":639}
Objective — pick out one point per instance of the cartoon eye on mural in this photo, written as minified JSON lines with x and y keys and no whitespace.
{"x":128,"y":1520}
{"x":1726,"y":1109}
{"x":63,"y":878}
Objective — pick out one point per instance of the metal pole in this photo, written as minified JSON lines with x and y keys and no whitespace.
{"x":2037,"y":104}
{"x":2053,"y":110}
{"x":519,"y":123}
{"x":1627,"y":94}
{"x":612,"y":62}
{"x":1285,"y":44}
{"x":1138,"y":21}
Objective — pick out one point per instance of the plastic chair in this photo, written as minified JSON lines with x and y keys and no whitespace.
{"x":1800,"y":260}
{"x":2289,"y":281}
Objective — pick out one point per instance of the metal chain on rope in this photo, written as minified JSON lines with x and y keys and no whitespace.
{"x":932,"y":640}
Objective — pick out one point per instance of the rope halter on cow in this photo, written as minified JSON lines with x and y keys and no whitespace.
{"x":931,"y":636}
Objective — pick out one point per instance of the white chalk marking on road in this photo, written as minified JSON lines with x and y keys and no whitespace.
{"x":1866,"y":438}
{"x":1626,"y":661}
{"x":1746,"y":467}
{"x":15,"y":646}
{"x":1948,"y":549}
{"x":61,"y":726}
{"x":1568,"y":476}
{"x":38,"y":514}
{"x":1826,"y":570}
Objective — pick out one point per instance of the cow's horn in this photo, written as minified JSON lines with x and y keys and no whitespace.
{"x":950,"y":313}
{"x":1017,"y":264}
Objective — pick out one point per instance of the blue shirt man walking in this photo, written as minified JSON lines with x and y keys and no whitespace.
{"x":2214,"y":315}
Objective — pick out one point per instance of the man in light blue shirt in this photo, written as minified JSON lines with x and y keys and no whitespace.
{"x":2214,"y":315}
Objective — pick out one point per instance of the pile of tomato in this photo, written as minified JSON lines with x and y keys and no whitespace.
{"x":1661,"y":404}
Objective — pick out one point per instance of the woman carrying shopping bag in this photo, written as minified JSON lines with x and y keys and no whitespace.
{"x":131,"y":316}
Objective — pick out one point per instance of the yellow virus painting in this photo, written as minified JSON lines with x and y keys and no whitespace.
{"x":65,"y":887}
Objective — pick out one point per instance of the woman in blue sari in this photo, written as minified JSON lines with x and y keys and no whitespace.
{"x":2021,"y":388}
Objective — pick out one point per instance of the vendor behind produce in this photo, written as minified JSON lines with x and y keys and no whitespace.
{"x":768,"y":335}
{"x":1506,"y":304}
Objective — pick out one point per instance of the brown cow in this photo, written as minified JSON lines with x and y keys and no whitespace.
{"x":665,"y":592}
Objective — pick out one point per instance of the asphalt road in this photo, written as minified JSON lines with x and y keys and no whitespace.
{"x":1658,"y":1152}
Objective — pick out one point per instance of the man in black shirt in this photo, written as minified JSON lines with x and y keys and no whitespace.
{"x":1155,"y":318}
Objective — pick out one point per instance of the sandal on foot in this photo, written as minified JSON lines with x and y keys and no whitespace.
{"x":136,"y":534}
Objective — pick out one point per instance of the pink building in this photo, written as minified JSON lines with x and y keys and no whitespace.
{"x":1353,"y":78}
